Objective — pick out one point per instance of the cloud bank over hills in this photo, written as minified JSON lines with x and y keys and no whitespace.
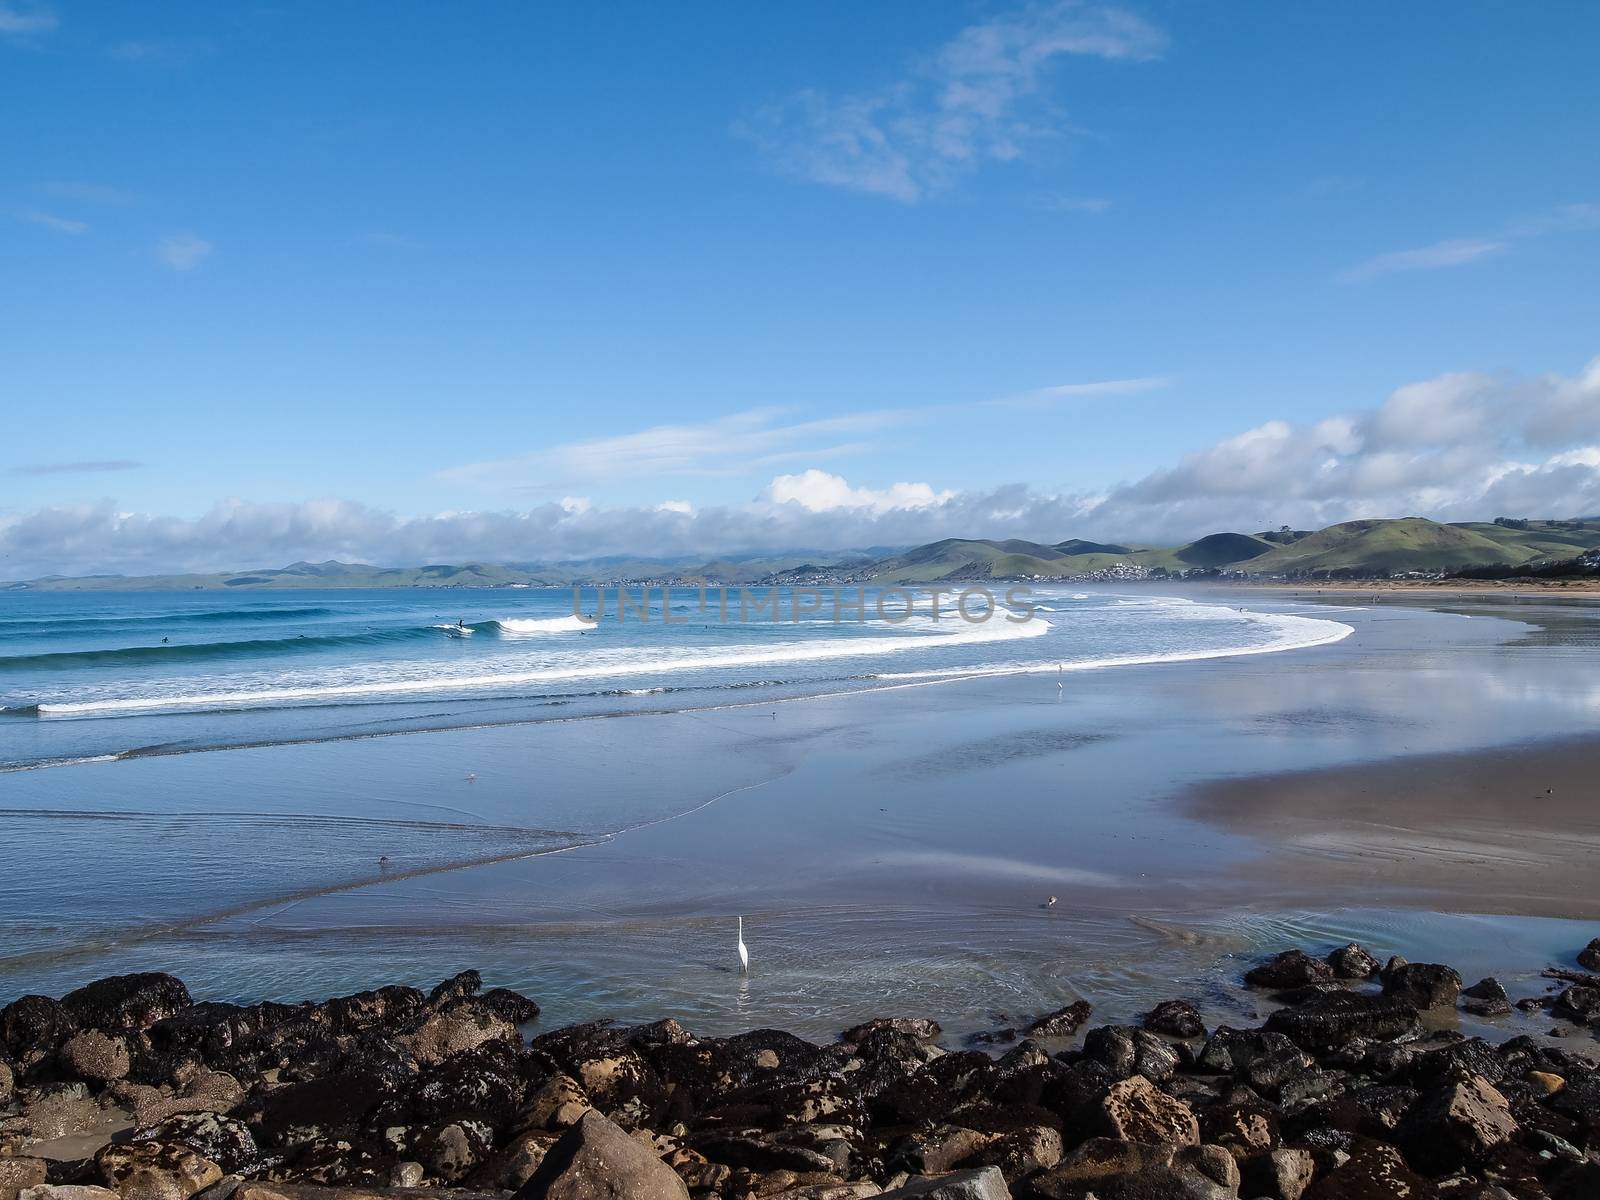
{"x":1459,"y":446}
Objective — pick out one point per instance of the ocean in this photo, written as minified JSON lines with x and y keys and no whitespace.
{"x":101,"y":674}
{"x":300,"y":794}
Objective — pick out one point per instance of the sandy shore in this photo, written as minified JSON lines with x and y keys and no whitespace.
{"x":1500,"y":831}
{"x":1541,"y":589}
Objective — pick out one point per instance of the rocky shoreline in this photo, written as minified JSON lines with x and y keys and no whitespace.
{"x":127,"y":1088}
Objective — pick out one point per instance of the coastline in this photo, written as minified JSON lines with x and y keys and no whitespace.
{"x":847,"y":838}
{"x":1508,"y":830}
{"x":1355,"y":1085}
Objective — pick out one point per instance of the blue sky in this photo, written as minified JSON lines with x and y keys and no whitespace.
{"x":322,"y":279}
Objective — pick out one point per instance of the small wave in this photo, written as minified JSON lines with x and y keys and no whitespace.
{"x":19,"y":710}
{"x":518,"y":626}
{"x":161,"y":620}
{"x":745,"y":656}
{"x":181,"y":652}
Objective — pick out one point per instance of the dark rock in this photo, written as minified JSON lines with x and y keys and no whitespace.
{"x":1486,"y":998}
{"x":1578,"y":1002}
{"x":1128,"y":1050}
{"x":1137,"y":1111}
{"x":596,"y":1160}
{"x":515,"y":1007}
{"x":1176,"y":1018}
{"x":920,"y":1028}
{"x":1423,"y":985}
{"x":1242,"y":1129}
{"x":1580,"y":1098}
{"x":302,"y":1112}
{"x":1279,"y":1175}
{"x":483,"y":1084}
{"x":449,"y":1151}
{"x":31,"y":1028}
{"x":384,"y":1007}
{"x":936,"y":1088}
{"x":155,"y":1170}
{"x":223,"y":1140}
{"x":1086,"y":1168}
{"x":1581,"y":1182}
{"x":1353,"y":962}
{"x":1335,"y":1018}
{"x":1374,"y":1172}
{"x":1459,"y":1058}
{"x":927,"y":1152}
{"x":126,"y":1001}
{"x":1230,"y":1050}
{"x":984,"y":1183}
{"x":1457,"y":1125}
{"x":1292,"y":968}
{"x":1589,"y":956}
{"x":1022,"y":1152}
{"x":992,"y":1037}
{"x":1268,"y":1072}
{"x":1064,"y":1022}
{"x":96,"y":1056}
{"x":457,"y":987}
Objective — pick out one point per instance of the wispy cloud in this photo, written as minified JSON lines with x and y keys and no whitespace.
{"x":93,"y":466}
{"x":51,"y":221}
{"x":724,"y":446}
{"x":160,"y":52}
{"x":980,"y":98}
{"x":86,"y":193}
{"x":22,"y":20}
{"x":388,"y":240}
{"x":1078,"y":204}
{"x":182,"y":251}
{"x":733,"y":445}
{"x":1457,"y":252}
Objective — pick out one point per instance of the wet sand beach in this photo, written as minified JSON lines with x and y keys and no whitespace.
{"x":889,"y":850}
{"x":1508,"y":830}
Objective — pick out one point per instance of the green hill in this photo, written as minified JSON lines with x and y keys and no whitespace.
{"x":1387,"y":546}
{"x":1355,"y":548}
{"x":1222,"y":549}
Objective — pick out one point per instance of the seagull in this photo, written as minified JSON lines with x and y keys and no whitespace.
{"x":1050,"y":902}
{"x":744,"y":955}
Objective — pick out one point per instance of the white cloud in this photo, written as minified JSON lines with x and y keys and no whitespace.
{"x":1568,"y":218}
{"x":818,"y":491}
{"x":51,"y":221}
{"x":737,"y":444}
{"x":1462,"y":446}
{"x":978,"y":99}
{"x":86,"y":193}
{"x":1083,"y":204}
{"x":723,"y":446}
{"x":182,"y":251}
{"x":1454,"y":253}
{"x":19,"y":20}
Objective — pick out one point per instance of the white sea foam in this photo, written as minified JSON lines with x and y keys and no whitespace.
{"x":527,"y":625}
{"x":1291,"y":633}
{"x":625,"y":662}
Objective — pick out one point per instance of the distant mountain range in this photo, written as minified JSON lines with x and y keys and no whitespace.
{"x":1353,"y":549}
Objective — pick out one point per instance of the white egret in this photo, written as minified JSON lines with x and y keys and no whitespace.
{"x":744,"y":955}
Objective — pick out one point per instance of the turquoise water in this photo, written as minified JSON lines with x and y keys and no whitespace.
{"x":85,"y":675}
